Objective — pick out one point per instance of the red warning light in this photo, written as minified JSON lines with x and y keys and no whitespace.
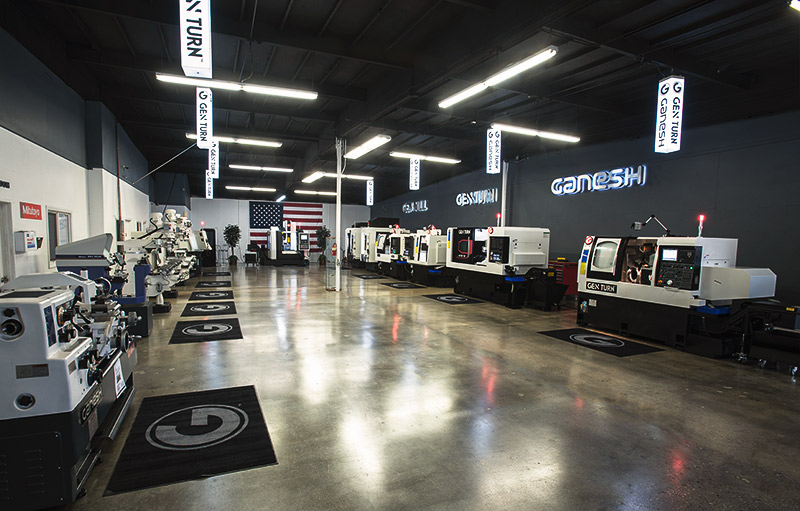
{"x":701,"y":217}
{"x":498,"y":216}
{"x":202,"y":223}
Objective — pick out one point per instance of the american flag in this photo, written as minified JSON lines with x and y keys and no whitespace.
{"x":305,"y":216}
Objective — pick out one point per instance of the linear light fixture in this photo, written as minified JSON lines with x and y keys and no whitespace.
{"x":437,"y":159}
{"x":265,"y":169}
{"x":239,"y":140}
{"x":251,"y":189}
{"x":795,"y":4}
{"x":313,"y":177}
{"x":319,"y":175}
{"x":314,"y":192}
{"x":280,"y":199}
{"x":367,"y":146}
{"x":238,"y":86}
{"x":505,"y":74}
{"x":535,"y":133}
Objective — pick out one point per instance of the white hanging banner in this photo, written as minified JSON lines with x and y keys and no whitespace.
{"x":669,"y":116}
{"x":413,"y":175}
{"x":205,"y":118}
{"x":195,"y":16}
{"x":213,"y":159}
{"x":209,"y":185}
{"x":370,"y":193}
{"x":493,"y":157}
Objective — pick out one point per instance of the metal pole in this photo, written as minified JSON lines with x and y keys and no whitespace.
{"x":338,"y":257}
{"x":503,"y":196}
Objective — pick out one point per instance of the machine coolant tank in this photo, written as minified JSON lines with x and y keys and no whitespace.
{"x":720,"y":283}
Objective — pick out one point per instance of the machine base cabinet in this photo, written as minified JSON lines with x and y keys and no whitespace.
{"x":677,"y":327}
{"x":508,"y":291}
{"x":431,"y":277}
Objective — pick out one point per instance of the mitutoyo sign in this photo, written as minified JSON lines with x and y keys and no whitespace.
{"x":488,"y":196}
{"x":604,"y":180}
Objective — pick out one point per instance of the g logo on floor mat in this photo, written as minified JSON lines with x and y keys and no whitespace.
{"x":210,"y":307}
{"x":196,"y":427}
{"x":597,"y":340}
{"x":212,"y":284}
{"x":404,"y":286}
{"x":212,"y":294}
{"x":451,"y":298}
{"x":205,"y":329}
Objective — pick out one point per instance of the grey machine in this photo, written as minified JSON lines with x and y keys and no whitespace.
{"x":66,"y":384}
{"x":685,"y":292}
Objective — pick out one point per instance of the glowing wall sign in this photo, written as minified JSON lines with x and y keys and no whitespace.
{"x":493,"y":157}
{"x":213,"y":159}
{"x":415,"y":206}
{"x":413,"y":174}
{"x":669,"y":119}
{"x":603,"y":180}
{"x":195,"y":21}
{"x":488,"y":196}
{"x":205,"y":121}
{"x":370,"y":193}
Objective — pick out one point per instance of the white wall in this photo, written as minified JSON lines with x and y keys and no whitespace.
{"x":350,"y":215}
{"x":104,"y":203}
{"x":41,"y":177}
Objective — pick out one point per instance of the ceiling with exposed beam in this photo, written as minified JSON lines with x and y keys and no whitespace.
{"x":383,"y":66}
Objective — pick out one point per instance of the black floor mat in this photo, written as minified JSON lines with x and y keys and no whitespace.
{"x":211,"y":295}
{"x":402,"y":285}
{"x":202,"y":331}
{"x":209,"y":309}
{"x":214,"y":283}
{"x":369,"y":276}
{"x":216,"y":274}
{"x":601,"y":342}
{"x":452,"y":299}
{"x":190,"y":436}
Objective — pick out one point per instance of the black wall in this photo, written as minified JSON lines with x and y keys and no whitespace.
{"x":36,"y":105}
{"x":744,"y":176}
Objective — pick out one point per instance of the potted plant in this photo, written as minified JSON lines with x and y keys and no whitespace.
{"x":322,"y":242}
{"x":232,"y":234}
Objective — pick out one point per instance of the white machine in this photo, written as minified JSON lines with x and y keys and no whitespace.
{"x":353,"y":241}
{"x":283,"y":247}
{"x":657,"y":287}
{"x":491,"y":262}
{"x":66,"y":384}
{"x":373,"y":238}
{"x":429,"y":257}
{"x":393,"y":252}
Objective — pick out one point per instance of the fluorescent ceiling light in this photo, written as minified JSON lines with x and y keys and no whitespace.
{"x":437,"y":159}
{"x":505,"y":74}
{"x":313,"y":177}
{"x":349,"y":176}
{"x":279,"y":199}
{"x":535,"y":133}
{"x":265,"y":169}
{"x":238,"y":140}
{"x":367,"y":146}
{"x":314,"y":192}
{"x":795,"y":4}
{"x":236,"y":86}
{"x":251,"y":189}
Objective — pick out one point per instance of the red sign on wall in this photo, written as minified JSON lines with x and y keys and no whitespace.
{"x":32,"y":211}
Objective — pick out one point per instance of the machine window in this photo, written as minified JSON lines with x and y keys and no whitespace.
{"x":605,"y":254}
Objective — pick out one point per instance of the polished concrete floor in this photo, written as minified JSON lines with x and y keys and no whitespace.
{"x":377,"y":398}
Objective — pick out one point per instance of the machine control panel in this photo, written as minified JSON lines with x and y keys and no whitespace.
{"x":304,"y":242}
{"x":679,"y":267}
{"x":498,"y":249}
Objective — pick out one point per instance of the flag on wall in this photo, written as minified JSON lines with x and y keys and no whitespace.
{"x":263,"y":215}
{"x":306,"y":216}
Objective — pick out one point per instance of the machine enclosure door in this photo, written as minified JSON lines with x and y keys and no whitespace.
{"x":604,"y":261}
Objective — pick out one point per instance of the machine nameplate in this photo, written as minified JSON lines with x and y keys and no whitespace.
{"x":33,"y":371}
{"x":599,"y":286}
{"x":87,"y":409}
